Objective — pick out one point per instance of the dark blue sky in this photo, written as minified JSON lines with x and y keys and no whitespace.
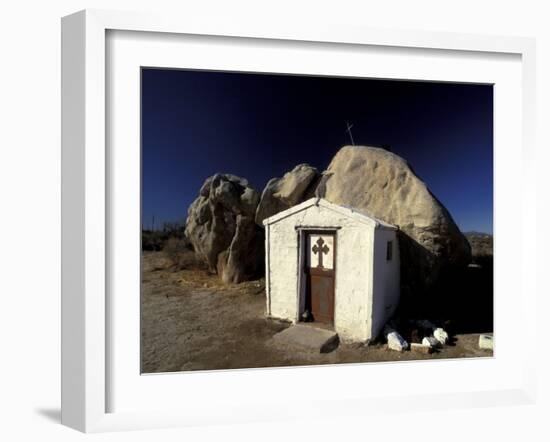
{"x":197,"y":123}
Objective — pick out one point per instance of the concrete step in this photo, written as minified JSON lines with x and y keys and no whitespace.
{"x":307,"y":337}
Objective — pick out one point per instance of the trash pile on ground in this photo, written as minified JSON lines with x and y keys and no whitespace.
{"x":423,"y":336}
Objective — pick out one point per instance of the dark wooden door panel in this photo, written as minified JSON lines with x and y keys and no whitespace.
{"x":322,"y":298}
{"x":320,"y":271}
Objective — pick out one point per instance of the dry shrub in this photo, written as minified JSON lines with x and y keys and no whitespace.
{"x":181,"y":254}
{"x":155,"y":240}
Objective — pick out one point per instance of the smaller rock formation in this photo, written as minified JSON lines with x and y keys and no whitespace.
{"x":282,"y":193}
{"x":220,"y":226}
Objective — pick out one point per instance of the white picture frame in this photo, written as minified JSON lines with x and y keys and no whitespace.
{"x":86,"y":203}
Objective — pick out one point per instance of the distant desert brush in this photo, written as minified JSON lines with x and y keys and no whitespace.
{"x":181,"y":254}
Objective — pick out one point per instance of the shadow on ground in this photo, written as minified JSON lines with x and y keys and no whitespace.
{"x":462,"y":298}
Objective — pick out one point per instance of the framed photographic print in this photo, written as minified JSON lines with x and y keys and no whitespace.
{"x":252,"y":214}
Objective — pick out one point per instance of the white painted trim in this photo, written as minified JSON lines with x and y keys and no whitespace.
{"x":84,"y":349}
{"x":370,"y":285}
{"x":290,"y":211}
{"x":300,"y":286}
{"x":346,"y":211}
{"x":267,"y":273}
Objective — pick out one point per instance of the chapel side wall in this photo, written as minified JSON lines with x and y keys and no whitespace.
{"x":386,"y":285}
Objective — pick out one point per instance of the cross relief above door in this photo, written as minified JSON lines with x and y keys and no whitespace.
{"x":321,"y":251}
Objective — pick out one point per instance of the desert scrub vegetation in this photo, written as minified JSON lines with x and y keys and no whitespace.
{"x":155,"y":240}
{"x":482,"y":248}
{"x":181,"y":254}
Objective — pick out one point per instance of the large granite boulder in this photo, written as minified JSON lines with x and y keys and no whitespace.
{"x":220,"y":226}
{"x":383,"y":185}
{"x":282,"y":193}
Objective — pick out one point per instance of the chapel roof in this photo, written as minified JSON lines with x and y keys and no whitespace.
{"x":345,"y":210}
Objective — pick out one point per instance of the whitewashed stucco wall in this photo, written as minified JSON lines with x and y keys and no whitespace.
{"x":386,"y":285}
{"x":353,"y":283}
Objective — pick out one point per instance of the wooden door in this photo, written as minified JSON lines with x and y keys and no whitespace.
{"x":320,"y":270}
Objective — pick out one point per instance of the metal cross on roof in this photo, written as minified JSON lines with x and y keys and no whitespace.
{"x":348,"y":130}
{"x":320,"y":249}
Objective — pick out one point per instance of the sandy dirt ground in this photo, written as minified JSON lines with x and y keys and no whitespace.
{"x":191,"y":321}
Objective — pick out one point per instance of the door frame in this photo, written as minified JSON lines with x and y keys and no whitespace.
{"x":301,"y":238}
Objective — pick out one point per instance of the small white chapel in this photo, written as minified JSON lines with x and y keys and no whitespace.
{"x":334,"y":266}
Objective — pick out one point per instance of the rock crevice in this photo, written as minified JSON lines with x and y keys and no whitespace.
{"x":282,"y":193}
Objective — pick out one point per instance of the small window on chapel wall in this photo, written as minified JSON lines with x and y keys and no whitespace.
{"x":389,"y":250}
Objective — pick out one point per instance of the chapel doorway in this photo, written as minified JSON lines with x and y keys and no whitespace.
{"x":320,"y":273}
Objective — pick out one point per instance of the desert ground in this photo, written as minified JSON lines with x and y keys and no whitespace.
{"x":190,"y":320}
